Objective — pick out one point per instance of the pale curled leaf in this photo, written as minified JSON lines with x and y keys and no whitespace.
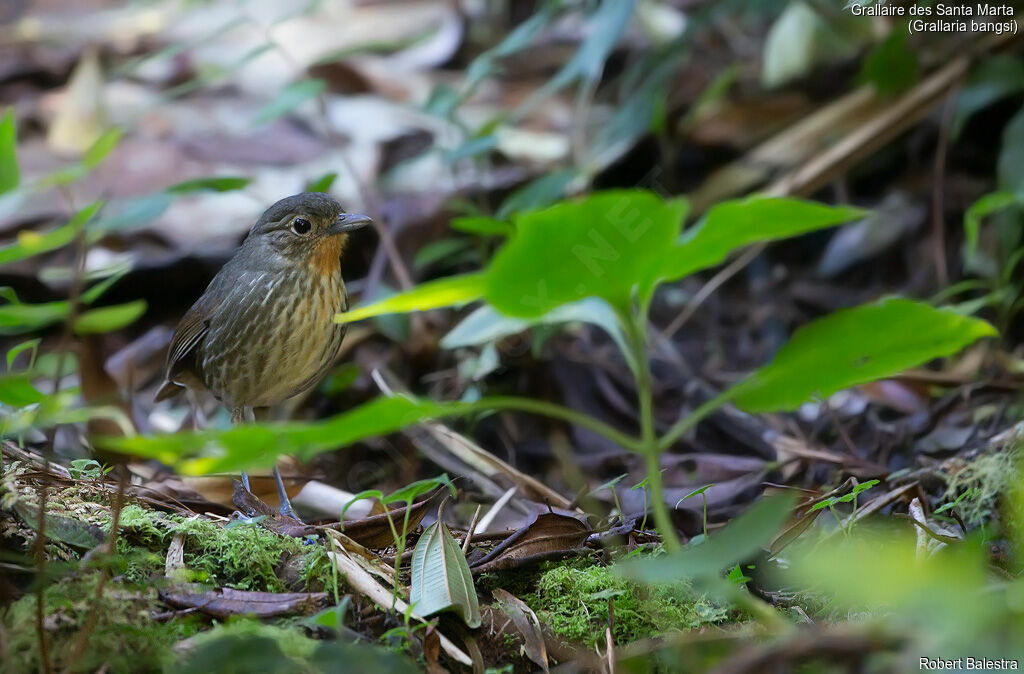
{"x":441,"y":579}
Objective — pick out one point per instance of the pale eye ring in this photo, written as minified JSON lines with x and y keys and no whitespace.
{"x":301,"y":226}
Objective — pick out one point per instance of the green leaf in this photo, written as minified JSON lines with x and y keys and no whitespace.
{"x":256,"y":445}
{"x":695,"y":492}
{"x":863,"y":486}
{"x":609,"y":245}
{"x":31,"y":243}
{"x":733,"y":224}
{"x":446,"y":292}
{"x":410,"y":492}
{"x":9,"y":173}
{"x":289,"y":98}
{"x":738,"y":540}
{"x":853,"y":347}
{"x":365,"y":494}
{"x":16,"y":390}
{"x":1011,"y":157}
{"x":15,"y":351}
{"x":102,"y":147}
{"x":991,"y":81}
{"x":538,"y":193}
{"x":481,"y":225}
{"x":892,"y":65}
{"x":441,"y":580}
{"x":17,"y":318}
{"x":441,"y":249}
{"x":108,"y":319}
{"x":486,"y":324}
{"x":323,"y":183}
{"x":604,"y":27}
{"x":213,"y":183}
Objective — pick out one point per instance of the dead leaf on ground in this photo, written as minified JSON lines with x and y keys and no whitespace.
{"x":224,"y":602}
{"x":547,"y":533}
{"x":527,"y":624}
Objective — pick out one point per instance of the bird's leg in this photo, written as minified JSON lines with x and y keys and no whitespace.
{"x":238,"y":414}
{"x":282,"y":493}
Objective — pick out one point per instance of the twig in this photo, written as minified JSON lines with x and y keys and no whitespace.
{"x":469,"y":531}
{"x":708,"y":289}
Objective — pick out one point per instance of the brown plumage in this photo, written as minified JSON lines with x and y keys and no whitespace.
{"x":262,"y":331}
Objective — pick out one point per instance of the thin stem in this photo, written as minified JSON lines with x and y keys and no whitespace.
{"x":649,"y":446}
{"x":561,"y":413}
{"x":695,"y":417}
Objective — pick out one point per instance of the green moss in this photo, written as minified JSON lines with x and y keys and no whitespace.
{"x":245,"y":556}
{"x":572,"y":599}
{"x":982,"y":480}
{"x":125,"y":637}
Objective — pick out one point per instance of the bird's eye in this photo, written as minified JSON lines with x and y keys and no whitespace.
{"x":301,"y":226}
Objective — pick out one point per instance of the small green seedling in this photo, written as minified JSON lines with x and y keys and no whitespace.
{"x":405,"y":495}
{"x":831,"y":503}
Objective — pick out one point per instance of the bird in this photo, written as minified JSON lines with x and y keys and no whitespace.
{"x":263,"y":330}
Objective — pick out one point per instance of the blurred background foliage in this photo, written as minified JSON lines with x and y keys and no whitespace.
{"x":140,"y":140}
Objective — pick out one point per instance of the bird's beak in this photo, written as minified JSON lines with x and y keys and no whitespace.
{"x":348,"y":222}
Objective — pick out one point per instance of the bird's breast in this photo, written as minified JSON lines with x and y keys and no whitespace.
{"x":278,"y":339}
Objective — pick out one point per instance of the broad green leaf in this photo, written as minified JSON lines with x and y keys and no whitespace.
{"x":289,"y":98}
{"x":213,"y":183}
{"x":892,"y":65}
{"x":855,"y":346}
{"x":108,"y":319}
{"x":446,"y":292}
{"x":481,"y":225}
{"x":609,"y":245}
{"x":992,"y":80}
{"x":441,"y":580}
{"x":733,"y":224}
{"x":1011,"y":157}
{"x":31,"y":243}
{"x":9,"y":173}
{"x":17,"y":390}
{"x":323,"y":183}
{"x":738,"y":540}
{"x":255,"y":445}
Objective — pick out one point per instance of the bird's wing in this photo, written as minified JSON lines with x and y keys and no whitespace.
{"x":187,"y":336}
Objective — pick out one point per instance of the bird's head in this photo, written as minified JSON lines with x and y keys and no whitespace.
{"x":308,"y":228}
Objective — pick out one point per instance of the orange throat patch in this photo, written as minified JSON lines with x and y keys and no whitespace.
{"x":326,"y":257}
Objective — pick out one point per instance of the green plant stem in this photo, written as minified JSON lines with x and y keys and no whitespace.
{"x":695,"y":417}
{"x":559,"y":412}
{"x":635,"y":325}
